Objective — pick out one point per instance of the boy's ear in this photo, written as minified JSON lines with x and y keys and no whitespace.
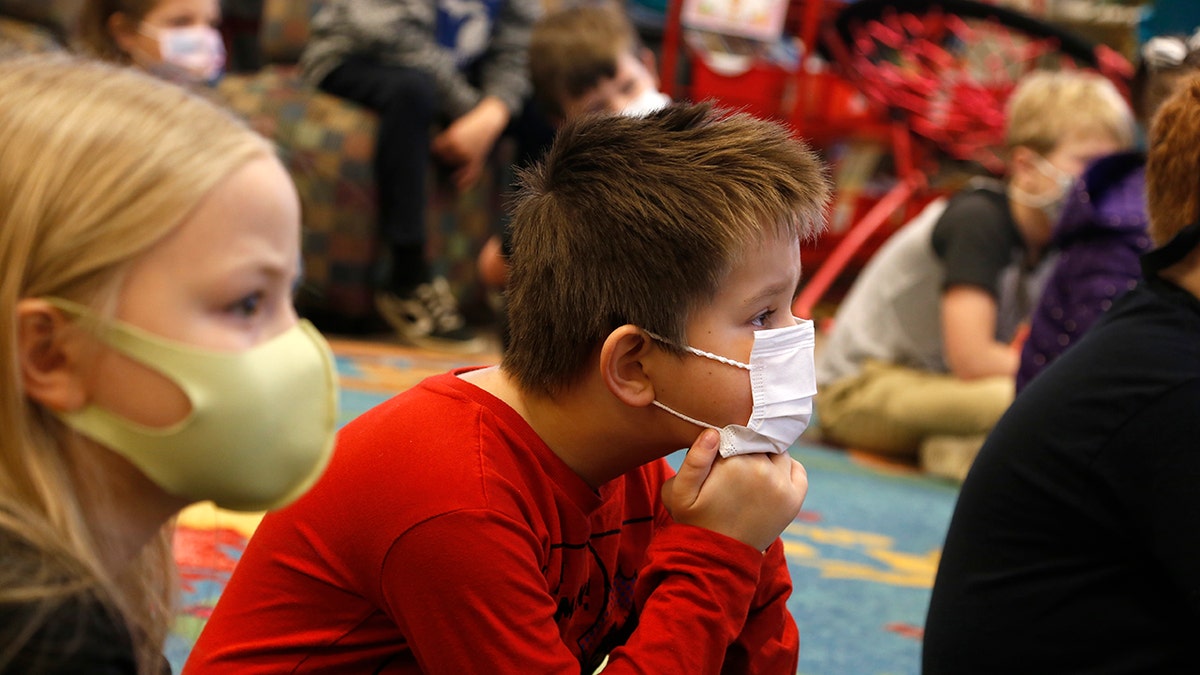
{"x":646,"y":56}
{"x":48,"y":356}
{"x":621,"y":365}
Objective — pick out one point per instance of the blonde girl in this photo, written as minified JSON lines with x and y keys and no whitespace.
{"x":148,"y":243}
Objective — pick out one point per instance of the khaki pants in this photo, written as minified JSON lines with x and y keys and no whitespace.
{"x":889,"y":409}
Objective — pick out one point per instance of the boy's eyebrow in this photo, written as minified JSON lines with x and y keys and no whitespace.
{"x":772,"y":290}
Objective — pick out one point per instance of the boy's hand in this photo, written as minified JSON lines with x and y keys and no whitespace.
{"x":468,"y":140}
{"x":751,"y":498}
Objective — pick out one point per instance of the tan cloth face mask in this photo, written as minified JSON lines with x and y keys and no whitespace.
{"x":262,"y":422}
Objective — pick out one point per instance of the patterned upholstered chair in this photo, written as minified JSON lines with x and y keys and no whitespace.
{"x":328,"y":145}
{"x":36,"y":25}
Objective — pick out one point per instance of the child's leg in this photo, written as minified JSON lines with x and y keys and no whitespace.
{"x":421,"y":309}
{"x":404,"y":99}
{"x":890,"y":409}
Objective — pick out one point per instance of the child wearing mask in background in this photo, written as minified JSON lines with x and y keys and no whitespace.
{"x":176,"y":40}
{"x":583,"y":60}
{"x":1103,"y":227}
{"x":920,"y":361}
{"x":151,"y":356}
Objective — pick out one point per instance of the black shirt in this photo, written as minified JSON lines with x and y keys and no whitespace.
{"x":1075,"y":543}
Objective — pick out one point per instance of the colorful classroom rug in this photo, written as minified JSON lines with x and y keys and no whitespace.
{"x":862,"y":553}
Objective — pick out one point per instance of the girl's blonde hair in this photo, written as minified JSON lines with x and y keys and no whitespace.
{"x":97,"y":164}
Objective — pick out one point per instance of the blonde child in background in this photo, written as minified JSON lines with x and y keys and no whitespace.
{"x":176,"y":40}
{"x":151,"y":357}
{"x":1102,"y":230}
{"x":921,"y":362}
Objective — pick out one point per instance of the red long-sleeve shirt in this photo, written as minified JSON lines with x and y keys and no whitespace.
{"x":446,"y":537}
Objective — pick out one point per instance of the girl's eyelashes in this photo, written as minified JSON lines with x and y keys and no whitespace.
{"x":247,"y":306}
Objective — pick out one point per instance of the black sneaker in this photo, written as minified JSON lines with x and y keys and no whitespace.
{"x":428,"y":317}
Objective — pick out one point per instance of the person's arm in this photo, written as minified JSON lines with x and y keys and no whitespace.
{"x":468,"y":589}
{"x":467,"y":141}
{"x":769,"y":642}
{"x":975,"y":240}
{"x":504,"y":68}
{"x":468,"y":592}
{"x":969,"y":335}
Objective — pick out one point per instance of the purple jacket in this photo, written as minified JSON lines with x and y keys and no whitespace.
{"x":1100,"y":235}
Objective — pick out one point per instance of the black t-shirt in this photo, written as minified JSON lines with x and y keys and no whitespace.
{"x":975,"y":238}
{"x":75,"y":633}
{"x":1075,"y":543}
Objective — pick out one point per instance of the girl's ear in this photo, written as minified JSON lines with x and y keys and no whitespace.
{"x":123,"y":31}
{"x":623,"y":365}
{"x":49,"y":356}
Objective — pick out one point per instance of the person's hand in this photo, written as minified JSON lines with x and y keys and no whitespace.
{"x":466,"y":143}
{"x":751,"y":498}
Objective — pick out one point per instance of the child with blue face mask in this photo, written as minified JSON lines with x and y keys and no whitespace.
{"x":151,"y":357}
{"x":176,"y":40}
{"x":521,"y":518}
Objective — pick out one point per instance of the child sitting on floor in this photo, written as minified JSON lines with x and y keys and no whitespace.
{"x":920,"y":363}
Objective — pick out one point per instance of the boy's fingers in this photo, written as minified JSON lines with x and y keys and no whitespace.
{"x":799,"y":474}
{"x":696,"y":466}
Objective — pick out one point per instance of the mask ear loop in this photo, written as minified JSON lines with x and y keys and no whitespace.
{"x":700,"y":352}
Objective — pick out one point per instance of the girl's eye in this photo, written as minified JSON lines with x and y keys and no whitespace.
{"x":761,"y":320}
{"x":247,"y":306}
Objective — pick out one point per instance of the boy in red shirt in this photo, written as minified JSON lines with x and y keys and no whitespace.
{"x":521,"y":518}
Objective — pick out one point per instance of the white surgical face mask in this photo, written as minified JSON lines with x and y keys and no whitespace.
{"x":1051,"y":203}
{"x":782,"y":382}
{"x":650,"y":100}
{"x":189,"y":55}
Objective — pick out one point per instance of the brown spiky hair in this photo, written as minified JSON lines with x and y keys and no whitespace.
{"x":637,"y":221}
{"x":1173,"y":163}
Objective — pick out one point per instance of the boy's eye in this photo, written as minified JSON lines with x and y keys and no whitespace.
{"x":247,"y":306}
{"x":761,"y":320}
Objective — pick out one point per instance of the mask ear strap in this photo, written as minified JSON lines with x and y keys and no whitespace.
{"x":700,"y":352}
{"x":1171,"y":252}
{"x":681,"y":416}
